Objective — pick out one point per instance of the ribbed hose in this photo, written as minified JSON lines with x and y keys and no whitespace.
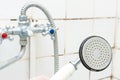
{"x":55,"y":42}
{"x":56,"y":57}
{"x":14,"y":59}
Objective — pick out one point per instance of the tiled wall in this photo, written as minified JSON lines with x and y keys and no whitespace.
{"x":76,"y":20}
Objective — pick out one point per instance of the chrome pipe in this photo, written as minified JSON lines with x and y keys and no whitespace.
{"x":14,"y":59}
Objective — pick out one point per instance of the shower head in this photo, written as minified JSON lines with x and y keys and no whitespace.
{"x":95,"y":53}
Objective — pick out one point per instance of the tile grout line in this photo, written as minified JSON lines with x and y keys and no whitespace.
{"x":74,"y":53}
{"x":51,"y":56}
{"x":114,"y":51}
{"x":115,"y":35}
{"x":89,"y":18}
{"x":66,"y":7}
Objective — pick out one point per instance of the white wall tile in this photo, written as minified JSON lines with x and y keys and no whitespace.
{"x":16,"y":71}
{"x":9,"y":49}
{"x":101,"y":74}
{"x":105,"y":28}
{"x":62,"y":61}
{"x":70,"y":57}
{"x":105,"y":8}
{"x":56,"y":8}
{"x":45,"y":66}
{"x":11,"y":9}
{"x":7,"y":22}
{"x":79,"y":8}
{"x":118,"y":7}
{"x":117,"y":42}
{"x":75,"y":33}
{"x":44,"y":46}
{"x":116,"y":64}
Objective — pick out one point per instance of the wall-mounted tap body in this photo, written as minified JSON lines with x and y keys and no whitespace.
{"x":25,"y":30}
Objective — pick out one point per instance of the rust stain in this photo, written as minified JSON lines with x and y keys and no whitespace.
{"x":13,"y":19}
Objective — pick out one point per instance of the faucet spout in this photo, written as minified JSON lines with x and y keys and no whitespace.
{"x":14,"y":59}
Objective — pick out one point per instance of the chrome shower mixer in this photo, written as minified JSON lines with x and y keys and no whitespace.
{"x":25,"y":30}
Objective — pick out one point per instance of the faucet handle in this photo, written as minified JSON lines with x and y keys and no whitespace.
{"x":51,"y":31}
{"x":4,"y":35}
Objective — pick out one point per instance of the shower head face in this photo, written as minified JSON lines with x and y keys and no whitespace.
{"x":95,"y":53}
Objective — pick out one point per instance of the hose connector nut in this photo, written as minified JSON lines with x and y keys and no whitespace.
{"x":22,"y":18}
